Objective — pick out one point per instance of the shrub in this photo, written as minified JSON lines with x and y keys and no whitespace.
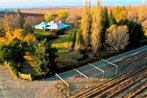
{"x":53,"y":35}
{"x":72,"y":19}
{"x":117,"y":37}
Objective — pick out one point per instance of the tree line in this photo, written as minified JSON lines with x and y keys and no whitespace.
{"x":101,"y":29}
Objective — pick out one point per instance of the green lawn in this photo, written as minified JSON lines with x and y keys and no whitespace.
{"x":42,"y":32}
{"x":61,"y":44}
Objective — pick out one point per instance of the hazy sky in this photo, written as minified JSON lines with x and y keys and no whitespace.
{"x":60,"y":3}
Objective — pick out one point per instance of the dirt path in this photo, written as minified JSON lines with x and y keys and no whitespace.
{"x":10,"y":88}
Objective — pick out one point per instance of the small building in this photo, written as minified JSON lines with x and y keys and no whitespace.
{"x":42,"y":25}
{"x":58,"y":26}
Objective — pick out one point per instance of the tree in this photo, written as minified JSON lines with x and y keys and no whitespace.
{"x":21,"y":20}
{"x":105,"y":23}
{"x":111,"y":19}
{"x":117,"y":37}
{"x":132,"y":14}
{"x":18,"y":33}
{"x":27,"y":29}
{"x":32,"y":20}
{"x":96,"y":28}
{"x":120,"y":13}
{"x":10,"y":22}
{"x":79,"y":40}
{"x":13,"y":52}
{"x":44,"y":57}
{"x":135,"y":31}
{"x":47,"y":16}
{"x":85,"y":24}
{"x":2,"y":30}
{"x":142,"y":13}
{"x":62,"y":14}
{"x":144,"y":24}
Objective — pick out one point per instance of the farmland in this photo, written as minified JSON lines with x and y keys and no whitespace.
{"x":75,"y":52}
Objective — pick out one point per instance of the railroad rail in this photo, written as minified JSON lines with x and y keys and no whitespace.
{"x":136,"y":61}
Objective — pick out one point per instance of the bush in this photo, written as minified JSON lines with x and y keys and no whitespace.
{"x":117,"y":37}
{"x":40,"y":76}
{"x":53,"y":35}
{"x":72,"y":19}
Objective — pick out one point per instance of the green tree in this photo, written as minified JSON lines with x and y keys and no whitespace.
{"x":96,"y":28}
{"x":111,"y":19}
{"x":44,"y":57}
{"x":105,"y":23}
{"x":85,"y":24}
{"x":47,"y":16}
{"x":21,"y":20}
{"x":79,"y":39}
{"x":135,"y":31}
{"x":14,"y":52}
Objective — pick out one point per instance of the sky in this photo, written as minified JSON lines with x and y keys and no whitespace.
{"x":61,"y":3}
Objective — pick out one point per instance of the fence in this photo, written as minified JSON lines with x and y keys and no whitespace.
{"x":79,"y":79}
{"x":25,"y":76}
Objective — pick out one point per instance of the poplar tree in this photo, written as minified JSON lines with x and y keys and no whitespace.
{"x":85,"y":24}
{"x":96,"y":28}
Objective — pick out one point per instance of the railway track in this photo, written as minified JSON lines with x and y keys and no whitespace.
{"x":136,"y":91}
{"x":108,"y":86}
{"x":124,"y":85}
{"x":136,"y":60}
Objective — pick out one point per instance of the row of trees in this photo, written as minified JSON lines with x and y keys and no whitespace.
{"x":113,"y":30}
{"x":61,"y":15}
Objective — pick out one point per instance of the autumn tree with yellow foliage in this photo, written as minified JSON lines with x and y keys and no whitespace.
{"x":62,"y":14}
{"x":17,"y":33}
{"x":142,"y":13}
{"x":96,"y":28}
{"x":85,"y":24}
{"x":120,"y":13}
{"x":47,"y":16}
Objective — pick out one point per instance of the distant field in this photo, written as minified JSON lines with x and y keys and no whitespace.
{"x":71,"y":11}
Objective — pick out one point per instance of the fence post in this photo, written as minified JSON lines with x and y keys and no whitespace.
{"x":19,"y":74}
{"x":30,"y":76}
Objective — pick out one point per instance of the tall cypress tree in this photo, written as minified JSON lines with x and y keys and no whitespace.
{"x":21,"y":18}
{"x":105,"y":23}
{"x":112,"y":20}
